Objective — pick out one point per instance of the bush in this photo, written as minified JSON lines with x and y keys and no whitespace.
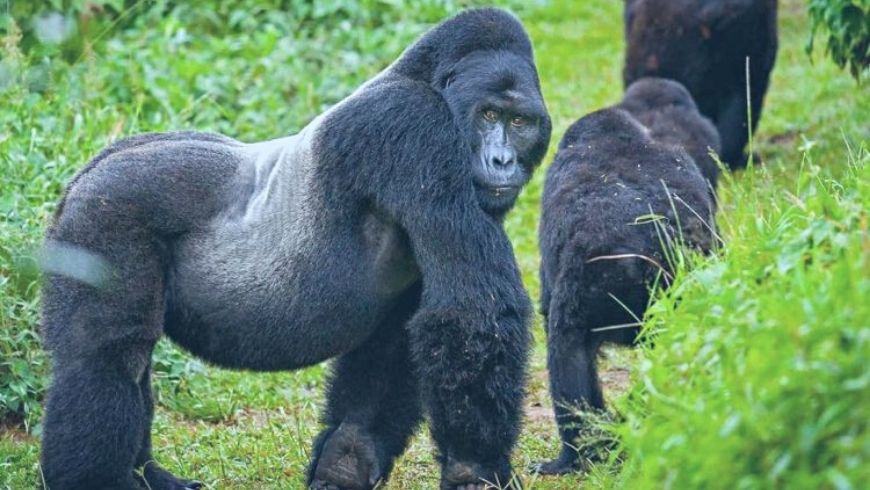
{"x":847,"y":26}
{"x":758,"y":377}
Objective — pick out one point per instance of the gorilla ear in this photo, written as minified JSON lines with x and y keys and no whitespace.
{"x":447,"y":79}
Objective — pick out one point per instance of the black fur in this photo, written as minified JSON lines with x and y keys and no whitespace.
{"x":596,"y":248}
{"x":704,"y":44}
{"x":373,"y":236}
{"x":667,"y":109}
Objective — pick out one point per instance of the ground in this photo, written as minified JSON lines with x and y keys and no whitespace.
{"x":243,"y":430}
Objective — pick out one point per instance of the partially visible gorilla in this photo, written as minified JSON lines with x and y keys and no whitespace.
{"x":703,"y":44}
{"x":373,"y":235}
{"x":615,"y":200}
{"x":668,"y":111}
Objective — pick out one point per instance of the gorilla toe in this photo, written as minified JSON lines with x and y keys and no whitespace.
{"x":572,"y":461}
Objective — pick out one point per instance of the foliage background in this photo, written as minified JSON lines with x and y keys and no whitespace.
{"x":845,"y":26}
{"x":758,"y":375}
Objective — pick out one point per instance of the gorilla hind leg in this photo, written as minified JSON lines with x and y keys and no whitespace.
{"x":100,"y":337}
{"x":94,"y":419}
{"x":571,"y":360}
{"x":574,"y":387}
{"x":155,"y":477}
{"x":732,"y":122}
{"x":373,"y":409}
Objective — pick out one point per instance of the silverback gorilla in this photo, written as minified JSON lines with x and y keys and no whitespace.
{"x":372,"y":236}
{"x":599,"y":256}
{"x":703,"y":44}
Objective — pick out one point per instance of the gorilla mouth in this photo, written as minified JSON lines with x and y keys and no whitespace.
{"x":498,"y":199}
{"x":507,"y":189}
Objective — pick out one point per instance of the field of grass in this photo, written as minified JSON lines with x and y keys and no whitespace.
{"x":758,"y":377}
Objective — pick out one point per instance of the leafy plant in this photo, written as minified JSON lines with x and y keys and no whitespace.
{"x":758,"y":377}
{"x":846,"y":24}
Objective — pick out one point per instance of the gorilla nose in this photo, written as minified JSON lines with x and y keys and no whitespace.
{"x":500,"y":169}
{"x":502,"y":159}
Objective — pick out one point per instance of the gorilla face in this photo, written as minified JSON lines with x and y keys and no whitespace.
{"x":496,"y":101}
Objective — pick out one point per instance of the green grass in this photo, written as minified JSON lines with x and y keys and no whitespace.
{"x":758,"y":375}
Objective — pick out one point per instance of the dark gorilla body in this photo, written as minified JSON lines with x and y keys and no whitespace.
{"x":670,"y":114}
{"x":597,"y":261}
{"x":703,"y":44}
{"x":374,"y":236}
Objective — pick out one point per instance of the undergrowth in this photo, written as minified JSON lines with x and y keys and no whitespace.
{"x":757,"y":372}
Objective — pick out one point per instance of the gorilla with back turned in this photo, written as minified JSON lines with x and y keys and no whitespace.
{"x":372,"y":236}
{"x":616,"y":202}
{"x":703,"y":44}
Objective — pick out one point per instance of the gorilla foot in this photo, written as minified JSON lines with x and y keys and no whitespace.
{"x":348,"y":461}
{"x":572,"y":461}
{"x":156,"y":478}
{"x":556,"y":467}
{"x":465,"y":476}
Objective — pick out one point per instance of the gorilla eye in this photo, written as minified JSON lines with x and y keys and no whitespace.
{"x":519,"y":121}
{"x":490,"y":115}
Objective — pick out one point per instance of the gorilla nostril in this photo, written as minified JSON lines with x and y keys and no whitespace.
{"x":502,"y":160}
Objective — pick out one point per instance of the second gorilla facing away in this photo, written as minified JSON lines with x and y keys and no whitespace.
{"x":373,"y":236}
{"x":616,"y":200}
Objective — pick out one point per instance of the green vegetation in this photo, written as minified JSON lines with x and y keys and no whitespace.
{"x":846,"y":24}
{"x":758,"y":374}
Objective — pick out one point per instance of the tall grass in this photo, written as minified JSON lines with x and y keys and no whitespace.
{"x":758,"y":372}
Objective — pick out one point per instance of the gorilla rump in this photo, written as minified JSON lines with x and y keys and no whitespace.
{"x":599,"y":256}
{"x":703,"y":44}
{"x":372,"y":236}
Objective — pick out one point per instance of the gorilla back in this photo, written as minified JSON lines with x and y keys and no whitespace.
{"x":616,"y":202}
{"x":705,"y":44}
{"x":374,"y":236}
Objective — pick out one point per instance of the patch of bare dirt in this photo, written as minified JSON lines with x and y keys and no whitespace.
{"x":15,"y":433}
{"x":615,"y":380}
{"x":539,"y":413}
{"x":783,"y":139}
